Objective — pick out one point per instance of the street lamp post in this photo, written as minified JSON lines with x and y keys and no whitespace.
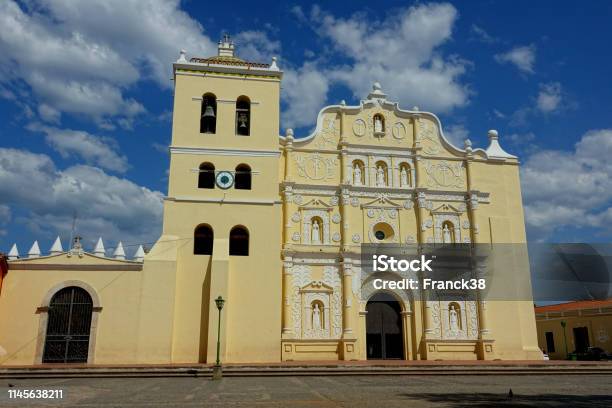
{"x":217,"y":370}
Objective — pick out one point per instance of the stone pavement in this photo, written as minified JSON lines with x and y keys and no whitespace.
{"x":324,"y":391}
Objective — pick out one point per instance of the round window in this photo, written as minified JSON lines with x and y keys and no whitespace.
{"x":383,"y":232}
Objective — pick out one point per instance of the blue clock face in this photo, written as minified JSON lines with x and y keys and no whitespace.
{"x":224,"y":179}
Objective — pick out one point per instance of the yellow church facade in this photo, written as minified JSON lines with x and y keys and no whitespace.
{"x":275,"y":226}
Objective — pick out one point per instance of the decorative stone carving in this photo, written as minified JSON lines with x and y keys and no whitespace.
{"x":316,"y":166}
{"x":439,"y":233}
{"x":408,"y":204}
{"x":371,"y":213}
{"x":295,"y":217}
{"x":428,"y":138}
{"x":296,"y":236}
{"x":398,"y":130}
{"x":428,"y":223}
{"x":410,"y":239}
{"x":331,"y":277}
{"x":301,"y":277}
{"x":336,"y":218}
{"x":466,"y":224}
{"x":297,"y":199}
{"x":334,"y":200}
{"x":359,"y":127}
{"x":336,"y":237}
{"x":308,"y":226}
{"x":356,"y":238}
{"x":355,"y":202}
{"x":444,"y":174}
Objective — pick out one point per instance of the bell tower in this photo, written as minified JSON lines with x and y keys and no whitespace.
{"x":223,"y":207}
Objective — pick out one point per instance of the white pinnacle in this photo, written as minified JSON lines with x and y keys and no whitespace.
{"x":119,"y":252}
{"x":34,"y":251}
{"x":99,"y":249}
{"x":57,"y":247}
{"x":139,"y":255}
{"x":13,"y":253}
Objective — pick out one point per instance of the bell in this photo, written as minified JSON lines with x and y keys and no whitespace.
{"x":243,"y":121}
{"x":209,"y":112}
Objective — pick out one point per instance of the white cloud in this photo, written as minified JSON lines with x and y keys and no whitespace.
{"x":107,"y":206}
{"x":48,"y":113}
{"x":98,"y":150}
{"x":304,"y":93}
{"x":482,"y":35}
{"x":456,"y":134}
{"x":81,"y":57}
{"x":522,"y":57}
{"x":549,"y":97}
{"x":402,"y":52}
{"x":570,"y":188}
{"x":256,"y":46}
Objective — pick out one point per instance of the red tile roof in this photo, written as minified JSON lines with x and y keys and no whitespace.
{"x":578,"y":305}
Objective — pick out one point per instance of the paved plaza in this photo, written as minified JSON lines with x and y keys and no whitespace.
{"x":329,"y":391}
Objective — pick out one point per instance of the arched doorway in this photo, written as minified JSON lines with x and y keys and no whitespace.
{"x":68,"y":326}
{"x":384,"y":329}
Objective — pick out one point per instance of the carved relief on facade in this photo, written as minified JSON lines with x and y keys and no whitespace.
{"x":444,"y":174}
{"x":428,"y":137}
{"x":329,"y":134}
{"x":316,"y":166}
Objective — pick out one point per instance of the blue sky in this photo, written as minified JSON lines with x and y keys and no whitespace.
{"x":86,"y":97}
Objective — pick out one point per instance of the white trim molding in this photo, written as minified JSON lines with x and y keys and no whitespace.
{"x":224,"y":152}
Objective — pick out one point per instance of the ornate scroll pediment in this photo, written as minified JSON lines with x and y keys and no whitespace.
{"x":317,"y":286}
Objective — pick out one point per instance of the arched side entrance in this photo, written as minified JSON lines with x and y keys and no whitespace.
{"x":384,"y":328}
{"x":69,"y":323}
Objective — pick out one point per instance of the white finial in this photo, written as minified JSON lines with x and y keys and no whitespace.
{"x":119,"y":252}
{"x":99,"y":249}
{"x":377,"y":92}
{"x":56,"y":248}
{"x":139,"y":255}
{"x":13,"y":253}
{"x":467,"y":143}
{"x":289,"y":134}
{"x":494,"y":150}
{"x":34,"y":252}
{"x":273,"y":65}
{"x":343,"y":103}
{"x":182,"y":56}
{"x":415,"y":108}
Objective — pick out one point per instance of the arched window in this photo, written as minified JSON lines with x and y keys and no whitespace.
{"x":405,"y":175}
{"x":208,"y":114}
{"x":358,"y":173}
{"x":243,"y":116}
{"x":379,"y":124}
{"x":203,"y":238}
{"x":239,"y":241}
{"x":243,"y":177}
{"x":206,"y":177}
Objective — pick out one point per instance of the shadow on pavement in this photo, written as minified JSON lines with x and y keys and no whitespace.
{"x":478,"y":400}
